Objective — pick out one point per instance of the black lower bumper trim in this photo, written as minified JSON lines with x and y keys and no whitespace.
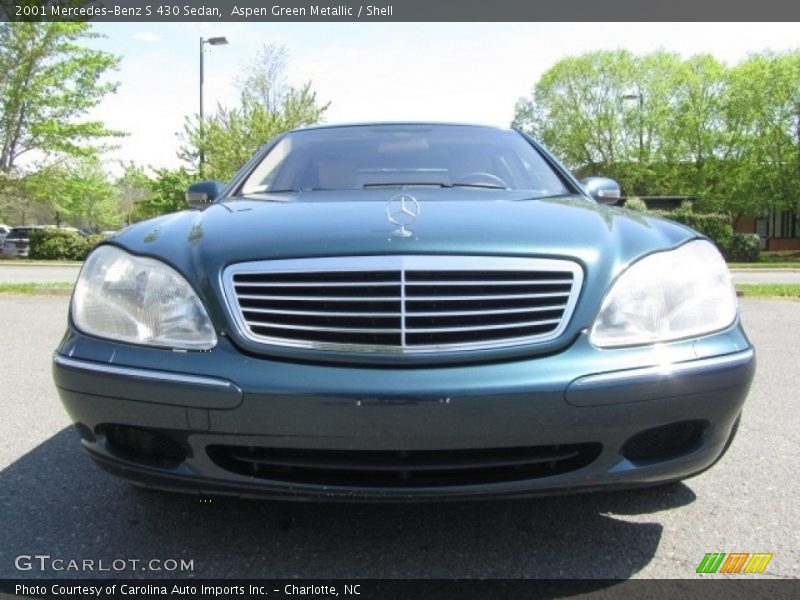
{"x":363,"y":468}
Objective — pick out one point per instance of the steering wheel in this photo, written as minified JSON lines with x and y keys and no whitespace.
{"x":478,"y":178}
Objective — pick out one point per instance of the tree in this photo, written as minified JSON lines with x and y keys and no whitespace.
{"x":49,"y":83}
{"x":577,"y":108}
{"x":268,"y":106}
{"x":726,"y":135}
{"x":264,"y":81}
{"x":19,"y":205}
{"x":166,"y":193}
{"x":763,"y":117}
{"x":89,"y":197}
{"x":133,"y":186}
{"x":78,"y":191}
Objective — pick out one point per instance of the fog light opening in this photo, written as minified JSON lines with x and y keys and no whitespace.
{"x":664,"y":442}
{"x":85,"y":433}
{"x":142,"y":445}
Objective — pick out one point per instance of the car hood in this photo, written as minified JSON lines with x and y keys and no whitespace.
{"x":450,"y":221}
{"x":603,"y":240}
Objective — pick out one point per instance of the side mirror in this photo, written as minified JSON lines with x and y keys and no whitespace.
{"x":602,"y":189}
{"x":203,"y":193}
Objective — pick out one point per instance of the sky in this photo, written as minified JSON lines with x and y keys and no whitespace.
{"x":465,"y":72}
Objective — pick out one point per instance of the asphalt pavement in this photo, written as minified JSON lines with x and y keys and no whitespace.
{"x":19,"y":272}
{"x":54,"y":501}
{"x":766,"y":276}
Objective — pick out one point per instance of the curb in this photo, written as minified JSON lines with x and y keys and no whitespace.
{"x":751,"y":270}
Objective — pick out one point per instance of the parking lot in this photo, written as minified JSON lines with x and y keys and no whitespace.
{"x":19,"y":272}
{"x":54,"y":501}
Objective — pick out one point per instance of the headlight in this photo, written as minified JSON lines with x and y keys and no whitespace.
{"x":667,"y":296}
{"x":139,"y":300}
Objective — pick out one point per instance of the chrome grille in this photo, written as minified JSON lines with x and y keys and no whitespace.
{"x":402,"y":303}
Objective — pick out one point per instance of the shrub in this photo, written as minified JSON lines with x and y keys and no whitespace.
{"x":716,"y":226}
{"x":61,"y":244}
{"x":636,"y":203}
{"x":745,"y":247}
{"x":93,"y":240}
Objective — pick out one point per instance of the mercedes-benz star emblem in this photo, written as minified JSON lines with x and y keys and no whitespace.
{"x":402,"y":210}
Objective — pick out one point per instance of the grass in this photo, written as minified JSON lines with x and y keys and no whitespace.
{"x":35,"y":289}
{"x":789,"y":259}
{"x":792,"y":256}
{"x":769,"y":290}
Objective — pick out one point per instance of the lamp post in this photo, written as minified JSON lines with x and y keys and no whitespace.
{"x":640,"y":98}
{"x":214,"y":41}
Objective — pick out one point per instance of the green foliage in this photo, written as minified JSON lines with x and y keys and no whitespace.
{"x":764,"y":139}
{"x":267,"y":107}
{"x":745,"y":247}
{"x":133,"y":186}
{"x":79,"y":191}
{"x":663,"y":125}
{"x":49,"y":83}
{"x":781,"y":256}
{"x":30,"y":289}
{"x":21,"y":201}
{"x":165,"y":194}
{"x":717,"y":227}
{"x":232,"y":136}
{"x":635,"y":203}
{"x":61,"y":244}
{"x":769,"y":290}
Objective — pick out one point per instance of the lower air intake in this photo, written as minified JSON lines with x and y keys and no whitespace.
{"x":416,"y":468}
{"x":664,"y":442}
{"x":143,"y":445}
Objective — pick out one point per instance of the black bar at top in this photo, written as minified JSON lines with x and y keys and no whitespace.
{"x":401,"y":10}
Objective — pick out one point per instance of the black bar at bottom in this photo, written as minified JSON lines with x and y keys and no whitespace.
{"x":705,"y":588}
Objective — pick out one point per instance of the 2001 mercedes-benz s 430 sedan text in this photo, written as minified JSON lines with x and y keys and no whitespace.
{"x":404,"y":311}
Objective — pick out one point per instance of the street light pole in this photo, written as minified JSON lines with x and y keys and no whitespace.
{"x":202,"y":119}
{"x":215,"y":41}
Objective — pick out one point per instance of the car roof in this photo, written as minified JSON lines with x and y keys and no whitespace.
{"x":30,"y":227}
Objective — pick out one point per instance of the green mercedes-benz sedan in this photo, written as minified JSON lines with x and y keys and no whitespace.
{"x":404,"y":311}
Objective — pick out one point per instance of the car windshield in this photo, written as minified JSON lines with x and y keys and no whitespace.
{"x":19,"y":234}
{"x":364,"y":157}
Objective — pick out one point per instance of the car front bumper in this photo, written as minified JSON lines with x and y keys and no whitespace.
{"x":14,"y":251}
{"x":580,"y":397}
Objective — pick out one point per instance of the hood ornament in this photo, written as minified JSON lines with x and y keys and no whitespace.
{"x":402,"y":210}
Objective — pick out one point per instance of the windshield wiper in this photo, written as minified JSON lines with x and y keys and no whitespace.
{"x":382,"y":184}
{"x":487,"y":186}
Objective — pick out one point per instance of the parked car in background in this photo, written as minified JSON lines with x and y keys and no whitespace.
{"x":404,"y":312}
{"x":17,"y":243}
{"x":4,"y":229}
